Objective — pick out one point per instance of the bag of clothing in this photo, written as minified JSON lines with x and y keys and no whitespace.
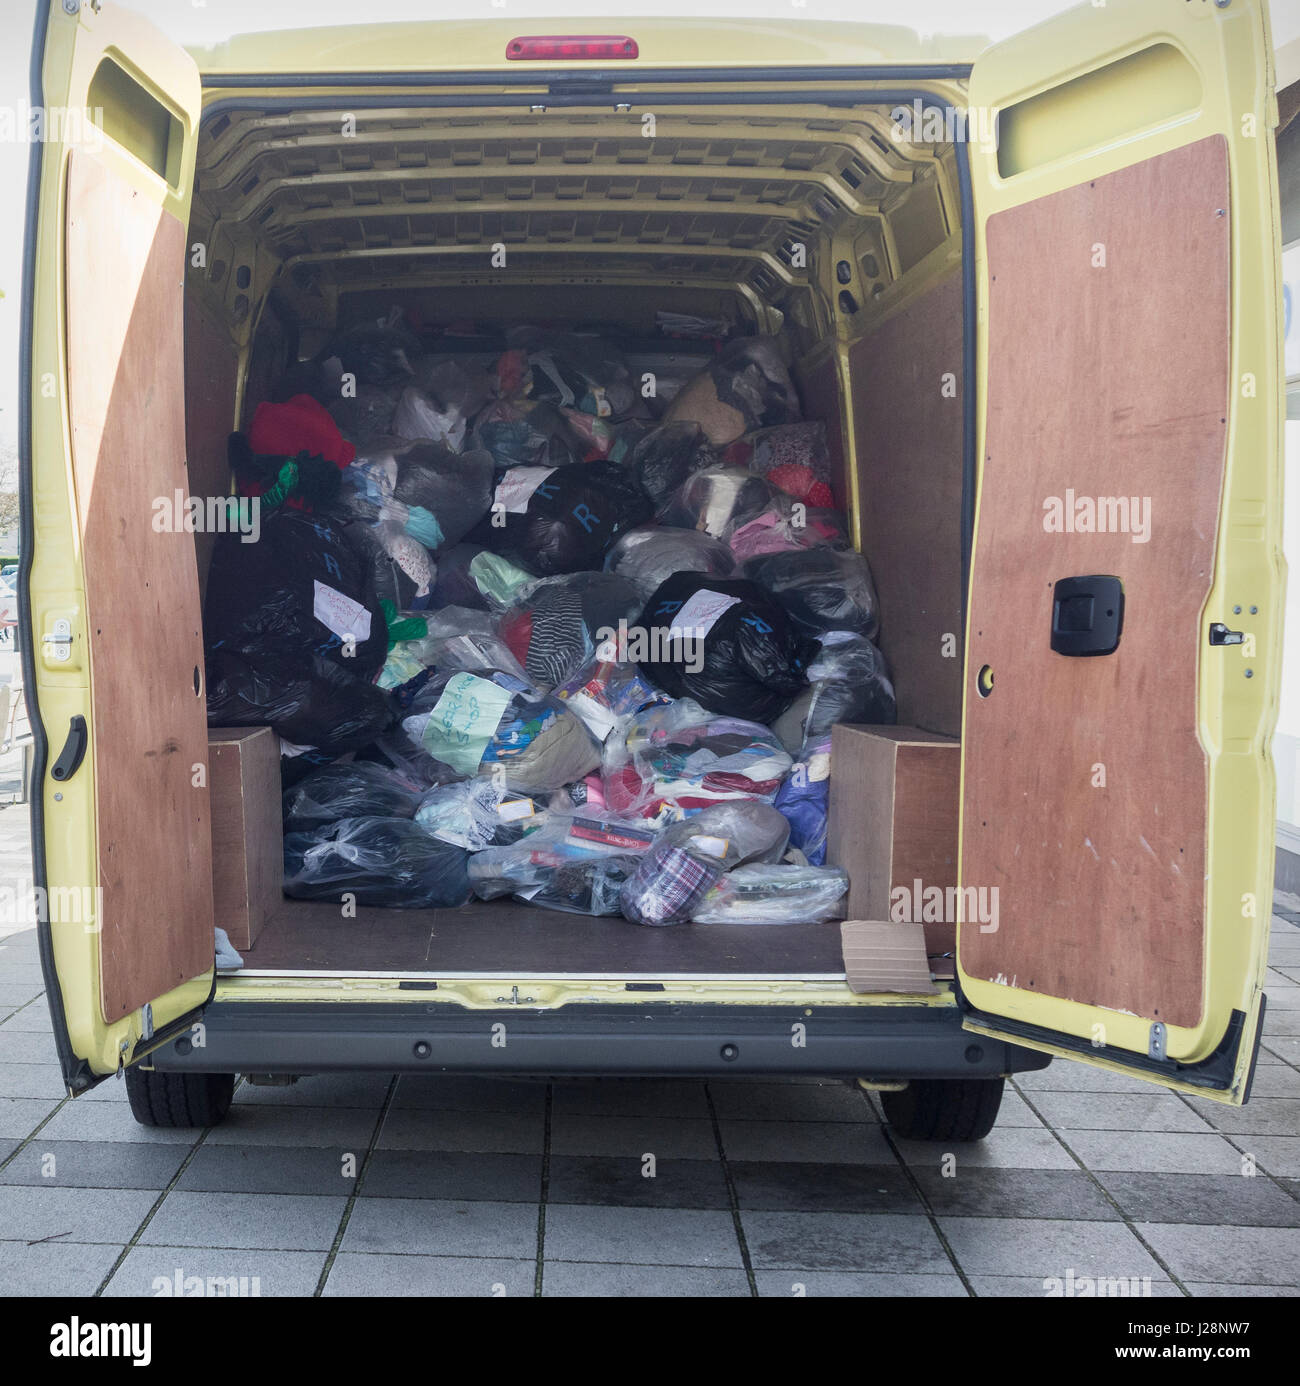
{"x":678,"y":757}
{"x":556,"y":624}
{"x":300,"y":591}
{"x":498,"y":728}
{"x":423,"y":491}
{"x":476,"y":814}
{"x":823,"y":589}
{"x":607,"y":692}
{"x":725,"y":643}
{"x":746,"y":386}
{"x":418,"y":417}
{"x":524,"y":433}
{"x":391,"y":862}
{"x":848,"y":681}
{"x":794,"y":457}
{"x":471,"y":576}
{"x":650,"y":554}
{"x":367,"y":415}
{"x":375,"y":353}
{"x":576,"y":371}
{"x":804,"y":801}
{"x":311,"y":702}
{"x":578,"y":862}
{"x":562,"y":519}
{"x":668,"y":456}
{"x":718,"y":501}
{"x":691,"y":857}
{"x":775,"y":894}
{"x":351,"y":789}
{"x":453,"y":638}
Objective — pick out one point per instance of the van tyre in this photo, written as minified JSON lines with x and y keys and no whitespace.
{"x":944,"y":1109}
{"x":178,"y":1099}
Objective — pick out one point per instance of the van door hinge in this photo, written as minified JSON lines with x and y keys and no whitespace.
{"x":1156,"y":1041}
{"x":1221,"y":635}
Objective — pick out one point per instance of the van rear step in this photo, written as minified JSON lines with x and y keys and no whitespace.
{"x":878,"y":1042}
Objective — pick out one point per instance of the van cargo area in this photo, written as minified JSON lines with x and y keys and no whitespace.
{"x":801,"y":217}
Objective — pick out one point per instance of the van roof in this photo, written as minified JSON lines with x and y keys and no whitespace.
{"x":479,"y":45}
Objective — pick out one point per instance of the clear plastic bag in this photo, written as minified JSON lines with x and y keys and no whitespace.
{"x":848,"y":682}
{"x":577,"y":862}
{"x":745,"y":387}
{"x":576,"y":371}
{"x":794,"y":457}
{"x":650,"y":554}
{"x":775,"y":894}
{"x":391,"y":862}
{"x":351,"y":789}
{"x":418,"y":417}
{"x":666,"y":457}
{"x":421,"y":490}
{"x":522,"y":433}
{"x":476,"y":814}
{"x":718,"y":500}
{"x":679,"y":757}
{"x":691,"y":856}
{"x":607,"y":692}
{"x":493,"y":727}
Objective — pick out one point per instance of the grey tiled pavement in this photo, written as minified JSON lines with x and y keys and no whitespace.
{"x":371,"y":1185}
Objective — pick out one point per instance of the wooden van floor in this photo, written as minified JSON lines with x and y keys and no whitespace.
{"x":515,"y":939}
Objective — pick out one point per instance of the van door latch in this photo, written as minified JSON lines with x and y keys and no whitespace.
{"x":58,"y":644}
{"x":1221,"y":635}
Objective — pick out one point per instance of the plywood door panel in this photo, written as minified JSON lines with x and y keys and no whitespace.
{"x":1109,"y":379}
{"x":908,"y":440}
{"x":124,"y":267}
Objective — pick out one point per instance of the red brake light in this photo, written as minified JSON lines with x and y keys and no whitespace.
{"x":564,"y":47}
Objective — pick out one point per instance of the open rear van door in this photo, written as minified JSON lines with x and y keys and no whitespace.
{"x":122,"y":855}
{"x":1124,"y":621}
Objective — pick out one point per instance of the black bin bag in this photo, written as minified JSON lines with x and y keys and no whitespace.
{"x":301,"y":590}
{"x":391,"y":862}
{"x":312,"y":703}
{"x":562,"y":519}
{"x":349,"y":789}
{"x":725,"y":643}
{"x":822,"y":588}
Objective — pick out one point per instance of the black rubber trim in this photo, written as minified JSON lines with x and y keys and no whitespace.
{"x":76,"y":1072}
{"x":886,"y":1042}
{"x":1214,"y":1072}
{"x":595,"y":76}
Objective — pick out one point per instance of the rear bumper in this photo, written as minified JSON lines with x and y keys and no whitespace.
{"x":889,"y":1042}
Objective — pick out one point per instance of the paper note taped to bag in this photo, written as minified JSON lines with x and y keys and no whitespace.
{"x":461,"y":725}
{"x":516,"y":488}
{"x":340,"y":614}
{"x":699,"y":613}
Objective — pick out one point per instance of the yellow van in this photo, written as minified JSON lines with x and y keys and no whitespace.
{"x":1020,"y":283}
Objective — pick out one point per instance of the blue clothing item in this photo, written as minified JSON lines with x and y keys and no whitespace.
{"x":805,"y":802}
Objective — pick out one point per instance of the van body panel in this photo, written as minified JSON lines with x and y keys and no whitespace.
{"x":123,"y":829}
{"x":450,"y":47}
{"x":1160,"y":216}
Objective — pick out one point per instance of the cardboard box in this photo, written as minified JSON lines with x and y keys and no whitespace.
{"x":893,"y":821}
{"x":247,"y":837}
